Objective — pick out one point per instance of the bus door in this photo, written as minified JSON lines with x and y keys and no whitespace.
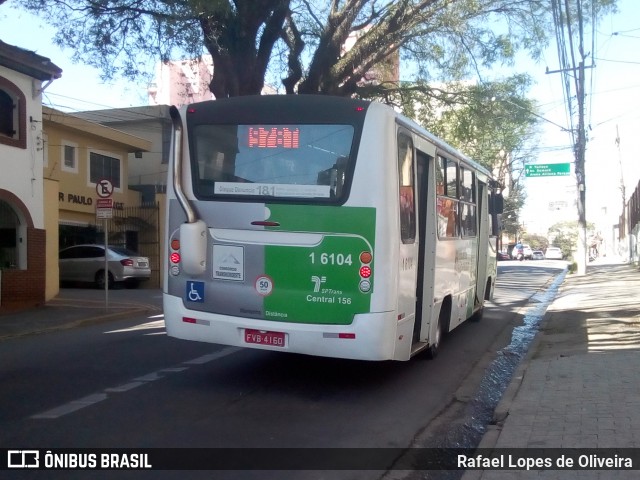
{"x":425,"y":247}
{"x":483,"y":243}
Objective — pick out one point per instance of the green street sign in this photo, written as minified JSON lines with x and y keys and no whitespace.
{"x":547,"y":170}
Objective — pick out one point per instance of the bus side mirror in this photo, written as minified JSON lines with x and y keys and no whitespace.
{"x":496,"y":203}
{"x":193,"y":247}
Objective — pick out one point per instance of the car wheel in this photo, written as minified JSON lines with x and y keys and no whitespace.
{"x":100,"y":280}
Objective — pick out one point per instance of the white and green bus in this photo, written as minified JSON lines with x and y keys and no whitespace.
{"x":324,"y":226}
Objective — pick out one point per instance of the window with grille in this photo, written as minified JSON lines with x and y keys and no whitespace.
{"x":104,"y":167}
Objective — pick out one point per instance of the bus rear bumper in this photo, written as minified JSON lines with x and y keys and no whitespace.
{"x":372,"y":336}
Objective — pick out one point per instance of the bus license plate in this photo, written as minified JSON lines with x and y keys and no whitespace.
{"x":261,"y":337}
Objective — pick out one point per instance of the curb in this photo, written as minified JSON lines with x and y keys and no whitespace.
{"x":93,"y":320}
{"x":501,"y":412}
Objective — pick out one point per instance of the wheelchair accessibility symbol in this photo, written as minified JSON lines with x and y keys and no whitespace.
{"x":195,"y":291}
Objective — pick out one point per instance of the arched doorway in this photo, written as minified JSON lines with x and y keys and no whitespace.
{"x":22,"y":256}
{"x":10,"y":227}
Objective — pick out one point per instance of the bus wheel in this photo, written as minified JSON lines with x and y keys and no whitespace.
{"x":476,"y":317}
{"x":434,"y":347}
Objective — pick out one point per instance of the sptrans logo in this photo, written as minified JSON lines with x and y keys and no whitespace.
{"x":23,"y":459}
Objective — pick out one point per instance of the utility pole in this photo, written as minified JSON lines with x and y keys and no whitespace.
{"x":580,"y":150}
{"x":622,"y":228}
{"x":580,"y":141}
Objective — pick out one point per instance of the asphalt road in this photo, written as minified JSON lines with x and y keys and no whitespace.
{"x":125,"y":384}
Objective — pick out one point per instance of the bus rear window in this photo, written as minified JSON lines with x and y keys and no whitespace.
{"x":276,"y":161}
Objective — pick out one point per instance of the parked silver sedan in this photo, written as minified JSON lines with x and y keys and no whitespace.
{"x":537,"y":255}
{"x":85,"y":264}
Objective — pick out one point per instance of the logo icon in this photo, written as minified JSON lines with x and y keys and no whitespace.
{"x":228,"y":262}
{"x":23,"y":459}
{"x":317,"y":282}
{"x":195,"y":291}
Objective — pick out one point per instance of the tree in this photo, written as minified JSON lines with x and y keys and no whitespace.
{"x":565,"y":236}
{"x":537,"y":242}
{"x":444,"y":39}
{"x":493,"y":123}
{"x":511,"y":214}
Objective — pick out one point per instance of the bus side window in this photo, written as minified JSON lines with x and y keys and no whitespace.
{"x":407,"y":193}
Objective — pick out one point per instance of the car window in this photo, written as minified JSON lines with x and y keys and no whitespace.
{"x":123,"y":251}
{"x":68,"y":253}
{"x":91,"y":252}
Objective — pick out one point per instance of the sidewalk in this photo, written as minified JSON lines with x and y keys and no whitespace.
{"x":579,"y":385}
{"x":78,"y":306}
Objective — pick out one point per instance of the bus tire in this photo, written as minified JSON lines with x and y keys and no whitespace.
{"x":477,"y":316}
{"x":434,"y":347}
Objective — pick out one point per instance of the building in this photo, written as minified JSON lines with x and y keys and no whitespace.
{"x":23,"y":238}
{"x":180,"y":82}
{"x":79,"y":154}
{"x":147,"y":172}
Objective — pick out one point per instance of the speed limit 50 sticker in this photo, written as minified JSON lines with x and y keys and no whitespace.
{"x":264,"y":285}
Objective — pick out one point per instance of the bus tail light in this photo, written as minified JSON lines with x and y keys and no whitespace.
{"x":174,"y":257}
{"x":366,"y":257}
{"x":365,"y":271}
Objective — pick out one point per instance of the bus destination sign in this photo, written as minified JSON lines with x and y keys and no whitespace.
{"x":547,"y":170}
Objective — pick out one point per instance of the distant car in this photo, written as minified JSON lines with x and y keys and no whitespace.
{"x":85,"y":264}
{"x":537,"y":255}
{"x":503,"y":256}
{"x":553,"y":253}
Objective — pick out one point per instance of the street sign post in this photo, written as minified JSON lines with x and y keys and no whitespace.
{"x":104,"y":210}
{"x":547,"y":170}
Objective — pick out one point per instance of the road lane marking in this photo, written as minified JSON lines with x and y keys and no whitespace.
{"x":212,"y":356}
{"x":72,"y":406}
{"x":150,"y":377}
{"x":123,"y":388}
{"x":94,"y":398}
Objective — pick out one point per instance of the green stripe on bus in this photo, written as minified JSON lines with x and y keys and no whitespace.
{"x":321,"y":283}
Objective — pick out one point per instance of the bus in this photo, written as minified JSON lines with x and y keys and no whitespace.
{"x":325,"y":226}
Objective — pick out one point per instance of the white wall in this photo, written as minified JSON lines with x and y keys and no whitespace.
{"x":21,"y":169}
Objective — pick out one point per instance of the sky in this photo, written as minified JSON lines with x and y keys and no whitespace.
{"x":613,"y":89}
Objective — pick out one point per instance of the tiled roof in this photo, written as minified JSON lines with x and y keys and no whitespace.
{"x":28,"y":62}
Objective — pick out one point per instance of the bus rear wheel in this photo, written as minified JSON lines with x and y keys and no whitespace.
{"x":434,"y":346}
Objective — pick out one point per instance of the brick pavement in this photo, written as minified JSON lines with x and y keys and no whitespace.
{"x":579,"y":385}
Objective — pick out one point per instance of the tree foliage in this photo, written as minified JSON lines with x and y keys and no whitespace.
{"x":565,"y":236}
{"x":537,"y":242}
{"x":302,"y":39}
